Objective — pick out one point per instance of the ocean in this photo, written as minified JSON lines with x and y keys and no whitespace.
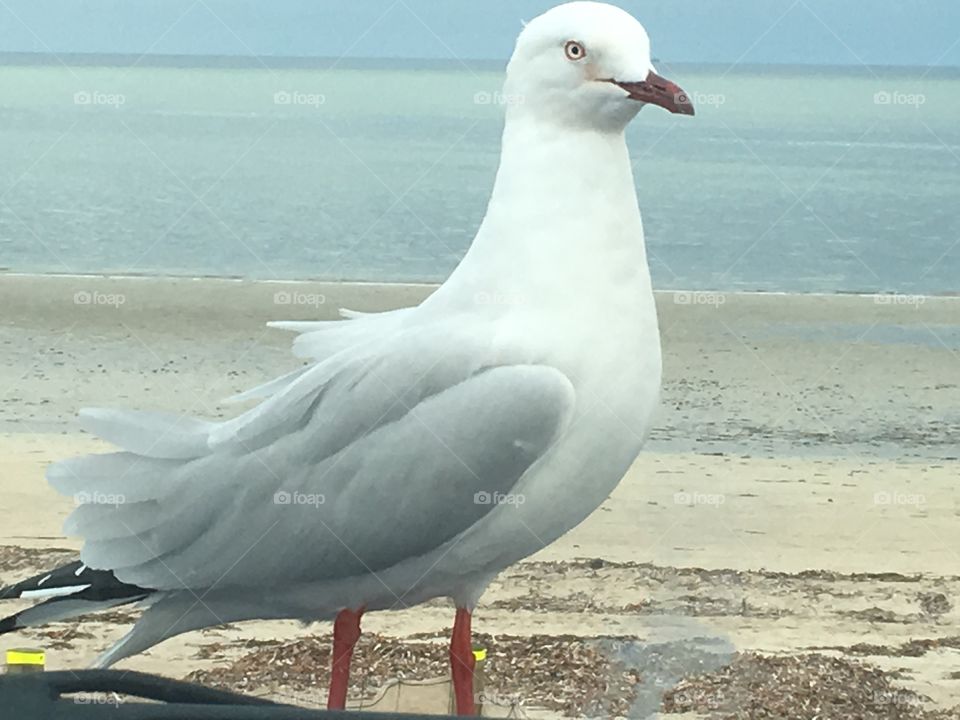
{"x":792,"y":179}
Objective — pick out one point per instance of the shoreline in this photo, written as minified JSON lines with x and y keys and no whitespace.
{"x":744,"y":373}
{"x":426,"y":284}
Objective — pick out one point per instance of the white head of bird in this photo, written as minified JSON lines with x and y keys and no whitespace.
{"x":587,"y":64}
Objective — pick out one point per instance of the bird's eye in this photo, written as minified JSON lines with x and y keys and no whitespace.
{"x":574,"y":50}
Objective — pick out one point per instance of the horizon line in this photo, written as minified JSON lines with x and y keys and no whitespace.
{"x":260,"y":61}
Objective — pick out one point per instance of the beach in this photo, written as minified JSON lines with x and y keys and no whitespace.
{"x":797,"y":497}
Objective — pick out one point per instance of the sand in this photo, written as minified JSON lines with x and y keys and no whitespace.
{"x":799,"y":493}
{"x":758,"y":373}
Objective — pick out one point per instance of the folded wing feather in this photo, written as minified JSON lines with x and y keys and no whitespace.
{"x":400,"y":430}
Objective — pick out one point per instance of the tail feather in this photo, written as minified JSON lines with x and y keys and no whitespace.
{"x":151,"y":434}
{"x":68,"y":591}
{"x":55,"y":609}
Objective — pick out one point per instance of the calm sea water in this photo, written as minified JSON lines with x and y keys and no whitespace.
{"x":791,"y":180}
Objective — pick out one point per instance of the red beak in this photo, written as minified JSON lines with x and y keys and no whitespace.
{"x":658,"y":91}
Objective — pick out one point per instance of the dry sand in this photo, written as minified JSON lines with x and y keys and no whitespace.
{"x":799,"y":494}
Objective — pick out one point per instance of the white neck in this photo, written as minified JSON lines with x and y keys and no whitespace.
{"x":564,"y":203}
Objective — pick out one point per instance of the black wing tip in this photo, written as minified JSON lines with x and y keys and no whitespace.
{"x":97,"y":584}
{"x":82,"y":590}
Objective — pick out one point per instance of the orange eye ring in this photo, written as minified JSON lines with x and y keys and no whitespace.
{"x":575,"y":50}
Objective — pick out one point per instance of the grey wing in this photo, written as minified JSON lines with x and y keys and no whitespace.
{"x":387,"y":463}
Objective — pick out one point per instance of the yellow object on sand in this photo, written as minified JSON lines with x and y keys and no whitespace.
{"x":25,"y":659}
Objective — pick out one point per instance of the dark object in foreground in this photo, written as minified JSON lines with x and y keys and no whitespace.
{"x":96,"y":695}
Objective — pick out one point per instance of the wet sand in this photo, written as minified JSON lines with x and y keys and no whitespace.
{"x":756,"y":373}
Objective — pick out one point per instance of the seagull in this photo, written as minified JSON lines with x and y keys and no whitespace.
{"x":421,"y":451}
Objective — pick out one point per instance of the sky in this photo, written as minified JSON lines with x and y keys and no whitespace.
{"x":831,"y":32}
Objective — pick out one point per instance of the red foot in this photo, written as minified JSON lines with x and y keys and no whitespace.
{"x":346,"y":632}
{"x":462,"y":663}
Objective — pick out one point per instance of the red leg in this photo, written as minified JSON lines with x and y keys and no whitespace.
{"x":346,"y":632}
{"x":462,"y":663}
